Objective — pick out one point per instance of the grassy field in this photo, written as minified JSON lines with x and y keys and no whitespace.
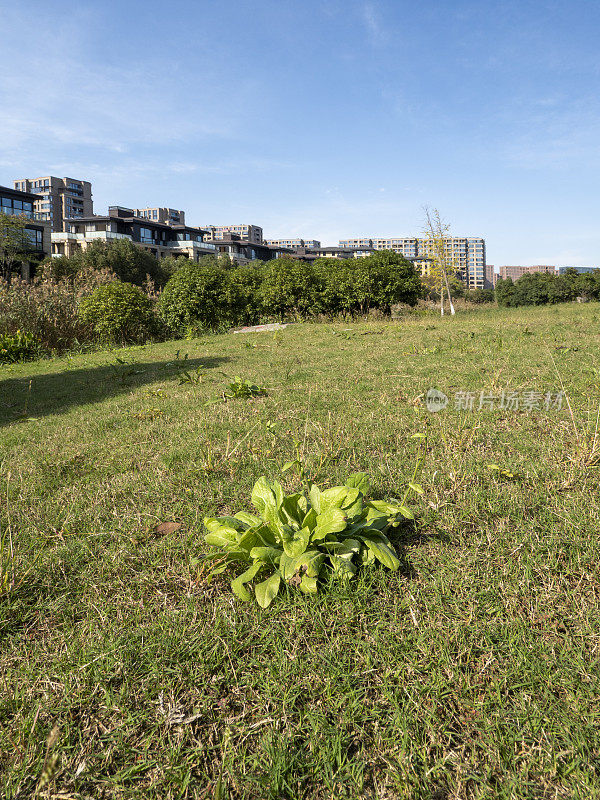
{"x":473,"y":672}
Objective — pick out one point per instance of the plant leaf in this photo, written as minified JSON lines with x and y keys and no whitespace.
{"x":336,"y":497}
{"x":223,"y":537}
{"x":310,"y":519}
{"x":297,"y":545}
{"x":266,"y":591}
{"x":315,"y":497}
{"x":311,"y":561}
{"x":270,"y":555}
{"x":263,"y":496}
{"x":331,"y":521}
{"x":247,"y":519}
{"x":360,"y":481}
{"x":416,"y":487}
{"x":342,"y":567}
{"x":237,"y":584}
{"x":383,"y":553}
{"x":308,"y":585}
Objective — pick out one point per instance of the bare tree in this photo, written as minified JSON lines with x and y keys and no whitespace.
{"x":436,"y":236}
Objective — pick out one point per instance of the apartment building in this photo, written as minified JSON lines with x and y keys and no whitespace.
{"x":168,"y":216}
{"x":249,"y":233}
{"x":241,"y":251}
{"x":344,"y":252}
{"x":581,"y":270}
{"x":295,"y":244}
{"x":465,"y":254}
{"x":516,"y":272}
{"x":57,"y":199}
{"x":158,"y":238}
{"x":14,"y":202}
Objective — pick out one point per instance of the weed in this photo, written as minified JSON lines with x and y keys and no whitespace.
{"x":297,"y":538}
{"x":240,"y":389}
{"x":193,"y":378}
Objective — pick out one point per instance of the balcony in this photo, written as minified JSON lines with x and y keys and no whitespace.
{"x":182,"y":244}
{"x":67,"y":236}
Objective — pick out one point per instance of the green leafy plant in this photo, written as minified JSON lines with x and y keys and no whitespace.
{"x":296,"y":539}
{"x":501,"y":472}
{"x":243,"y":389}
{"x":119,"y":312}
{"x":18,"y":346}
{"x":193,"y":377}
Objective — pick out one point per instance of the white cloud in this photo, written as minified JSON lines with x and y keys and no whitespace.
{"x":377,"y":34}
{"x":60,"y":97}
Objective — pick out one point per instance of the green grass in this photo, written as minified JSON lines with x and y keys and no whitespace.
{"x":473,"y":672}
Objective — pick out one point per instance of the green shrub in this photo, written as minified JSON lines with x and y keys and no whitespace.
{"x":357,"y":285}
{"x":242,"y":293}
{"x":18,"y":346}
{"x":289,"y":288}
{"x":119,"y":312}
{"x":194,"y":296}
{"x":296,"y":539}
{"x":479,"y":296}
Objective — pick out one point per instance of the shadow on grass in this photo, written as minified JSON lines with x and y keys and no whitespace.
{"x":57,"y":392}
{"x":409,"y":534}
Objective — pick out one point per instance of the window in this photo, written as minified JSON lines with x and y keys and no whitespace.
{"x":146,"y":236}
{"x":35,"y":238}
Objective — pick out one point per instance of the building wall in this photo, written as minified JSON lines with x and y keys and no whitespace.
{"x":250,"y":233}
{"x":466,"y":254}
{"x":311,"y":244}
{"x":168,"y":216}
{"x":59,"y":198}
{"x":562,"y":270}
{"x":515,"y":272}
{"x":17,"y":203}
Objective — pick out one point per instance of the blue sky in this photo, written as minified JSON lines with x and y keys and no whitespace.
{"x":325,"y":119}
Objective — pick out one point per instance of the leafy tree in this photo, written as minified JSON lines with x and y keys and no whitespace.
{"x":171,"y":264}
{"x":195,"y":295}
{"x":588,"y":285}
{"x":505,"y":292}
{"x":289,"y":287}
{"x":131,"y":263}
{"x":14,"y":242}
{"x":356,"y":285}
{"x":242,"y":293}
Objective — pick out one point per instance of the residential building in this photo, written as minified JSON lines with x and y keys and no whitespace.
{"x":562,"y":270}
{"x":158,"y":238}
{"x":344,"y":252}
{"x":14,"y":202}
{"x":295,"y":244}
{"x":466,"y":254}
{"x":490,"y":277}
{"x":249,"y":233}
{"x":57,"y":199}
{"x":516,"y":272}
{"x":241,"y":251}
{"x":423,"y":263}
{"x":168,"y":216}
